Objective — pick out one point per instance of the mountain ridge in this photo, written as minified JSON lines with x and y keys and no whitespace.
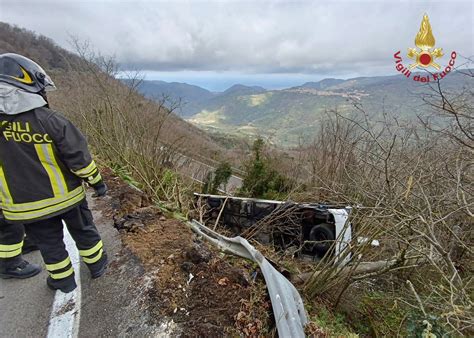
{"x":291,"y":113}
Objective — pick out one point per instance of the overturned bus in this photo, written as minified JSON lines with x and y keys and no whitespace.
{"x":308,"y":228}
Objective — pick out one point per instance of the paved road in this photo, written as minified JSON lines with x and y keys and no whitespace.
{"x":198,"y":171}
{"x":109,"y":305}
{"x":25,"y":305}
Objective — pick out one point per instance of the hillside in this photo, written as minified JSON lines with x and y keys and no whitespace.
{"x":287,"y":115}
{"x":36,"y":47}
{"x":68,"y":71}
{"x":191,"y":97}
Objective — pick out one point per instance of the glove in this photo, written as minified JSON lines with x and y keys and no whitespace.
{"x":100,"y":189}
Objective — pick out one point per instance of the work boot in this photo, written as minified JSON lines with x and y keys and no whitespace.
{"x":98,"y":269}
{"x":66,"y":285}
{"x":21,"y":270}
{"x":28,"y":246}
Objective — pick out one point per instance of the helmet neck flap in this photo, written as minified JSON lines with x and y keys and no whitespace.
{"x":14,"y":100}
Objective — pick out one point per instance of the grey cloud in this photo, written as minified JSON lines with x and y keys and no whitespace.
{"x":274,"y":37}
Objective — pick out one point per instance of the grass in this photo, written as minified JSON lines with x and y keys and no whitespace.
{"x":324,"y":322}
{"x":125,"y":175}
{"x":258,"y":99}
{"x":385,"y":316}
{"x":207,"y":117}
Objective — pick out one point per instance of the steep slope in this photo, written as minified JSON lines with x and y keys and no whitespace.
{"x":190,"y":96}
{"x":37,"y":47}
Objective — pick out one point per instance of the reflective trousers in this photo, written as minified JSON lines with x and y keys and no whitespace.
{"x":11,"y":243}
{"x":48,"y":236}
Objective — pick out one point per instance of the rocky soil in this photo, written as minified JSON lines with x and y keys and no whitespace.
{"x":194,"y":290}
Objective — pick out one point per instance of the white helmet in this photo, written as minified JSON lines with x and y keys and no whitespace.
{"x":24,"y":73}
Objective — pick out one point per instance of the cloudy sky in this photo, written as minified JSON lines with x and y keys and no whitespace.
{"x":271,"y":43}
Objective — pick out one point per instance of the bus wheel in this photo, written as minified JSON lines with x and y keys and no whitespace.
{"x":323,"y":234}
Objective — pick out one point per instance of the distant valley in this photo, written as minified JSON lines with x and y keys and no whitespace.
{"x":285,"y":116}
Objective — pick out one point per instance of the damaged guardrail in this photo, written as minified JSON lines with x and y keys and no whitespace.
{"x":288,"y":307}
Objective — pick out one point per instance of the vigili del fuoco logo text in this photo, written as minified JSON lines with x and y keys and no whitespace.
{"x":425,"y":56}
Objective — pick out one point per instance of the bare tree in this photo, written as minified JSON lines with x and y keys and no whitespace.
{"x":414,"y":187}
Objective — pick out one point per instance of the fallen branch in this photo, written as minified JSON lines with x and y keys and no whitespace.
{"x":363,"y":269}
{"x":220,"y":213}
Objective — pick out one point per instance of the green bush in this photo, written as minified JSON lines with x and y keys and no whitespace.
{"x":261,"y":179}
{"x":219,"y":178}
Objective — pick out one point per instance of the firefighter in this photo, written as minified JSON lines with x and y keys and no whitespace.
{"x":44,"y":160}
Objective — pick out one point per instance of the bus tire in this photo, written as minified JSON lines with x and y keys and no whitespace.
{"x":322,"y":233}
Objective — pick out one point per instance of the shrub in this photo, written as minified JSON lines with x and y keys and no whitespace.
{"x":261,"y":180}
{"x":219,"y":178}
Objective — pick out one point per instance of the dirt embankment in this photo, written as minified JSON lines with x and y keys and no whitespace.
{"x":195,"y":289}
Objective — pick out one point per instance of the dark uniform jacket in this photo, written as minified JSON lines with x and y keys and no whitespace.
{"x":43,"y":161}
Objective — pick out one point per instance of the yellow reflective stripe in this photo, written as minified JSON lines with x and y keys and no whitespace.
{"x":58,"y":172}
{"x":6,"y":196}
{"x":60,"y":265}
{"x":62,"y":274}
{"x":44,"y":203}
{"x":26,"y":77}
{"x":95,"y":259}
{"x":91,"y":251}
{"x":11,"y":247}
{"x":46,"y":156}
{"x":10,"y":254}
{"x":30,"y":215}
{"x":84,"y":172}
{"x":95,"y":180}
{"x":87,"y":170}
